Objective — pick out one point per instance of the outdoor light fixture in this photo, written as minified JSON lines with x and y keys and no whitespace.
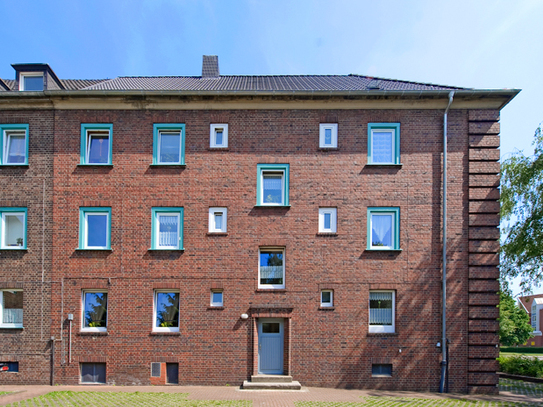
{"x":244,"y":316}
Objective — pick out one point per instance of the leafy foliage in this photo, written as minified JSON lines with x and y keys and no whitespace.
{"x":515,"y":328}
{"x":522,"y":209}
{"x":521,"y":365}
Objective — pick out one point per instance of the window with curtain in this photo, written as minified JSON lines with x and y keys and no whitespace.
{"x":272,"y":188}
{"x":381,"y":311}
{"x":271,"y":269}
{"x":11,"y":308}
{"x":169,"y":147}
{"x":168,"y":230}
{"x":381,"y":230}
{"x":15,"y":148}
{"x":383,"y":146}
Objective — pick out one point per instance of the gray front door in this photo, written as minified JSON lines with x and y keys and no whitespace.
{"x":270,"y":346}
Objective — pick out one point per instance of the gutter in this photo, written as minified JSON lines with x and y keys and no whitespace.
{"x":444,"y":347}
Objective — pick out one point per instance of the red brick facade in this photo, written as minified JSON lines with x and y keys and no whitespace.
{"x":323,"y":346}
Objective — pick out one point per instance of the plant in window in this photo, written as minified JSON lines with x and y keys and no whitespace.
{"x":167,"y":314}
{"x":95,"y":310}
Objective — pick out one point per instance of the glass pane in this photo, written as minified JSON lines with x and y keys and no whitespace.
{"x":95,"y":310}
{"x":93,"y":372}
{"x":271,"y":268}
{"x":167,"y":310}
{"x":12,"y":304}
{"x":168,"y":230}
{"x":381,"y":308}
{"x":169,"y":147}
{"x":33,"y":83}
{"x":98,"y":149}
{"x":327,"y":221}
{"x":271,"y":327}
{"x":326,"y":297}
{"x":382,"y":145}
{"x":16,"y":149}
{"x":272,"y":189}
{"x":218,"y":137}
{"x":97,"y":230}
{"x":218,"y":221}
{"x":217,"y":298}
{"x":14,"y":229}
{"x":381,"y":370}
{"x":328,"y":136}
{"x":381,"y":230}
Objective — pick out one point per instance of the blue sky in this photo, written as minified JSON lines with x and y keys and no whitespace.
{"x":480,"y":44}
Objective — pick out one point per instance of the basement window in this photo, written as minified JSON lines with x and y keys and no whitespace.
{"x":93,"y":373}
{"x":381,"y":370}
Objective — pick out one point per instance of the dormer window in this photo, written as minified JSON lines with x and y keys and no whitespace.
{"x":31,"y":81}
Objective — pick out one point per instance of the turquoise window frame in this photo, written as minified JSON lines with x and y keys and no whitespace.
{"x":396,"y":226}
{"x":396,"y":147}
{"x":157,"y":127}
{"x":83,"y":229}
{"x":3,"y":140}
{"x":263,"y":168}
{"x":154,"y":225}
{"x":86,"y":127}
{"x":14,"y":209}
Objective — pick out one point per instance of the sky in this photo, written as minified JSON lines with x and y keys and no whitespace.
{"x":484,"y":44}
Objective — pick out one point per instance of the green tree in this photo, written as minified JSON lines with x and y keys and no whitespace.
{"x":515,"y":328}
{"x":522,"y":215}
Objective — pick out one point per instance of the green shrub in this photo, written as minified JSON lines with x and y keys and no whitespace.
{"x":521,"y":350}
{"x":521,"y":365}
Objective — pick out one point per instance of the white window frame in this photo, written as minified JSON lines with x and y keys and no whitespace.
{"x":86,"y":231}
{"x":272,"y":250}
{"x":3,"y":245}
{"x":23,"y":75}
{"x":7,"y":134}
{"x":96,"y":133}
{"x":322,"y":135}
{"x":87,"y":328}
{"x":272,"y":172}
{"x":383,"y":328}
{"x":169,"y":131}
{"x":216,"y":304}
{"x":333,"y":220}
{"x":7,"y":325}
{"x":213,"y":128}
{"x":213,"y":211}
{"x":327,"y":304}
{"x":165,"y":329}
{"x":157,"y":230}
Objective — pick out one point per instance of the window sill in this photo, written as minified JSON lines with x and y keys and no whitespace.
{"x":168,"y":165}
{"x":271,"y":206}
{"x":321,"y":308}
{"x":166,"y":250}
{"x":14,"y":165}
{"x":328,"y":148}
{"x":267,"y":290}
{"x":95,"y":165}
{"x":384,"y":165}
{"x":218,"y":308}
{"x":93,"y":333}
{"x":218,"y":148}
{"x":19,"y":248}
{"x":91,"y":249}
{"x":217,"y":234}
{"x":381,"y":334}
{"x":11,"y":327}
{"x":165,"y":334}
{"x":327,"y":234}
{"x":374,"y":249}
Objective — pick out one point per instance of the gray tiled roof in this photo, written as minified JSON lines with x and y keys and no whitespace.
{"x":69,"y":84}
{"x":307,"y":83}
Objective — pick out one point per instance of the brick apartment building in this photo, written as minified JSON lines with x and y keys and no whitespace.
{"x":211,"y":229}
{"x":533,"y":305}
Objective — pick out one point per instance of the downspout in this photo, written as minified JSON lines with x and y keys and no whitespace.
{"x":444,"y":279}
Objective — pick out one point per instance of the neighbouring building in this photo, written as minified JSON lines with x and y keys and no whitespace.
{"x":533,"y":305}
{"x":212,"y":229}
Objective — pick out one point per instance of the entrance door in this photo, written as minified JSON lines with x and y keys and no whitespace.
{"x":270,"y":346}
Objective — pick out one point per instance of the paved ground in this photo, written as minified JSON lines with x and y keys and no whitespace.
{"x":513,"y":393}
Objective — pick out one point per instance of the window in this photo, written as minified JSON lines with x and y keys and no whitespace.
{"x":383,"y":143}
{"x":327,"y":220}
{"x":96,"y":143}
{"x":95,"y":228}
{"x":14,"y":144}
{"x":216,"y":298}
{"x":166,"y":311}
{"x":217,"y":220}
{"x":9,"y":367}
{"x":167,"y":229}
{"x":93,"y":372}
{"x":328,"y":135}
{"x":94,"y":311}
{"x":272,"y":184}
{"x":384,"y":228}
{"x":13,"y":228}
{"x":11,"y":308}
{"x":156,"y":369}
{"x":218,"y":136}
{"x":169,"y":144}
{"x":271,"y":268}
{"x":381,"y":370}
{"x":327,"y":298}
{"x":31,"y":81}
{"x":382,"y":313}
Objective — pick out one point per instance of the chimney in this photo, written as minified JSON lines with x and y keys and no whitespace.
{"x":210,"y":66}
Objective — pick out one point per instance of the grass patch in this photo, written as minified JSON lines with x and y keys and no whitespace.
{"x":521,"y":365}
{"x":520,"y":387}
{"x":115,"y":399}
{"x":5,"y":392}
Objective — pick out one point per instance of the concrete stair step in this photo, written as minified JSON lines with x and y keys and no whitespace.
{"x":271,"y":378}
{"x":293,"y":385}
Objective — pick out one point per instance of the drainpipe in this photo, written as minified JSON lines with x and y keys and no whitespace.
{"x":444,"y":279}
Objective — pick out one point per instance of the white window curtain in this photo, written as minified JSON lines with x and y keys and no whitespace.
{"x":382,"y":147}
{"x":381,"y":308}
{"x":271,"y":272}
{"x":15,"y":149}
{"x":168,"y":234}
{"x":381,"y":226}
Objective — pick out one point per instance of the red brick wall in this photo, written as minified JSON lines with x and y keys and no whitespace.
{"x":330,"y":348}
{"x":30,"y":270}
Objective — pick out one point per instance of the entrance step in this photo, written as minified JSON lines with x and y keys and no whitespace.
{"x":271,"y":382}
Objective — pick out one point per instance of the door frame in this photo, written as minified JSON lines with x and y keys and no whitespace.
{"x":281,"y":356}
